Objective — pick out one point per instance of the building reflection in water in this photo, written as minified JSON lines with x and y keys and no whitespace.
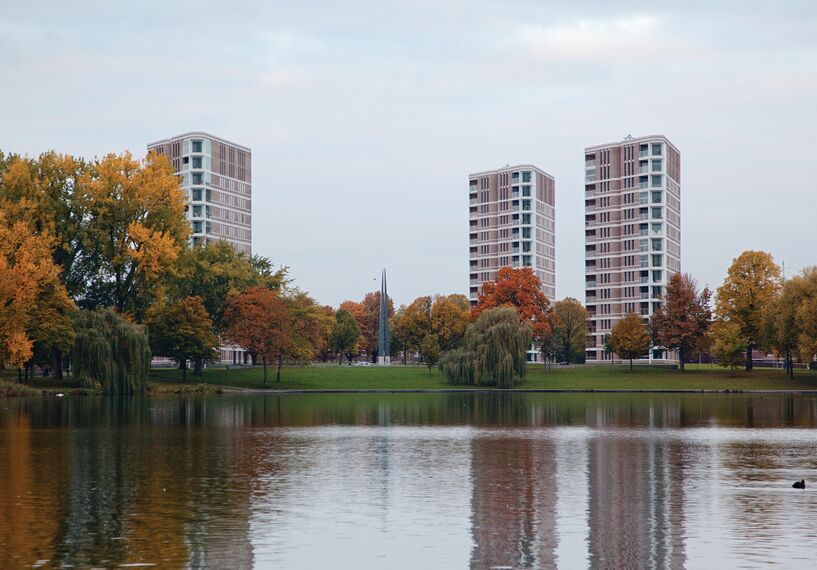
{"x":494,"y":480}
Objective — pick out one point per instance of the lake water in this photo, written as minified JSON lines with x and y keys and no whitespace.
{"x":409,"y":481}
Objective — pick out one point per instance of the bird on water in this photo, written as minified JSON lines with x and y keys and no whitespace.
{"x":801,"y":484}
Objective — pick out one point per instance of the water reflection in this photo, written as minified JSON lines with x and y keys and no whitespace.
{"x":445,"y":480}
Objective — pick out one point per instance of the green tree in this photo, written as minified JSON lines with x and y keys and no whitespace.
{"x":495,"y":351}
{"x":430,"y":347}
{"x":215,"y":270}
{"x":629,"y":338}
{"x":345,"y":335}
{"x":751,"y":284}
{"x":728,"y":344}
{"x":683,"y":317}
{"x":183,"y":331}
{"x":110,"y":352}
{"x":569,"y":328}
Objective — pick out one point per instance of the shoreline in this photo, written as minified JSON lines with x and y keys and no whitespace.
{"x":236,"y":391}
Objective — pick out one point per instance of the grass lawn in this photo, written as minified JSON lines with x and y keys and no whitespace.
{"x":398,"y":377}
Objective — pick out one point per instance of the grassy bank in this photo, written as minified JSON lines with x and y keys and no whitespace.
{"x":559,"y":378}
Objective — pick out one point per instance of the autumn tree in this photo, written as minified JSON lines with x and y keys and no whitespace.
{"x":183,"y":331}
{"x":569,"y":328}
{"x":136,"y":232}
{"x":494,"y":352}
{"x":683,"y":317}
{"x":258,"y":321}
{"x":308,"y":328}
{"x":30,"y":292}
{"x":805,"y":316}
{"x":630,"y":338}
{"x":40,"y":192}
{"x":751,"y":284}
{"x":445,"y":317}
{"x":345,"y":335}
{"x":728,"y":344}
{"x":522,"y":290}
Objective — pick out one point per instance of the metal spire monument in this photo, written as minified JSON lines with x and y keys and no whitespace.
{"x":383,"y":338}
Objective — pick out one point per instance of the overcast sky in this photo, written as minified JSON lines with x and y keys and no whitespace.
{"x":365,"y":118}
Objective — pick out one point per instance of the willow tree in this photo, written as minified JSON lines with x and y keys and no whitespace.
{"x":495,"y":351}
{"x":110,"y":352}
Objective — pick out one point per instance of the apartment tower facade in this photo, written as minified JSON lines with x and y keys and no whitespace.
{"x":512,"y":223}
{"x":217,"y":178}
{"x":632,"y":233}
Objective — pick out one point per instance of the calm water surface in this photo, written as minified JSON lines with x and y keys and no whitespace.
{"x":409,"y":481}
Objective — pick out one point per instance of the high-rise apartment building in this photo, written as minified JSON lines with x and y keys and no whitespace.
{"x":632,"y":232}
{"x":217,"y":178}
{"x":512,"y":223}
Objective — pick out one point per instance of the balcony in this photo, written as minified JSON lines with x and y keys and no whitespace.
{"x":473,"y":201}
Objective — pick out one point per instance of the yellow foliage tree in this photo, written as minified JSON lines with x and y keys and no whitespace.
{"x":751,"y":284}
{"x":138,"y":228}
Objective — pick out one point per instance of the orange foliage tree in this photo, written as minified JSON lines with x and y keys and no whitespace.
{"x":522,"y":290}
{"x":27,"y":277}
{"x":258,"y":321}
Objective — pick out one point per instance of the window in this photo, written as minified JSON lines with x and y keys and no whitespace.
{"x":526,"y":218}
{"x":196,"y":146}
{"x":642,"y":181}
{"x":656,"y":180}
{"x":656,"y":166}
{"x":196,"y":227}
{"x":643,"y":198}
{"x":526,"y":190}
{"x":515,"y":177}
{"x":197,"y":194}
{"x":196,"y":162}
{"x":656,"y":260}
{"x":526,"y":176}
{"x":656,"y":196}
{"x":525,"y":232}
{"x":642,"y":150}
{"x":526,"y":260}
{"x":656,"y":228}
{"x":185,"y":160}
{"x":656,"y":276}
{"x":656,"y":149}
{"x":196,"y":211}
{"x":656,"y":244}
{"x":656,"y":213}
{"x":526,"y":246}
{"x":526,"y":204}
{"x":198,"y":178}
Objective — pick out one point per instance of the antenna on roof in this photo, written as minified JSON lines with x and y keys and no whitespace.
{"x":628,"y":137}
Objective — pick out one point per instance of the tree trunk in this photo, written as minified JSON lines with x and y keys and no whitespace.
{"x":56,"y":363}
{"x":198,"y":366}
{"x":681,"y":357}
{"x":264,"y":362}
{"x":254,"y":358}
{"x":278,"y":372}
{"x":631,"y":365}
{"x":340,"y":359}
{"x":749,"y":358}
{"x":790,"y":360}
{"x":184,"y":371}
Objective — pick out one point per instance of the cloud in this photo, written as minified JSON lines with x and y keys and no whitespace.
{"x":636,"y":36}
